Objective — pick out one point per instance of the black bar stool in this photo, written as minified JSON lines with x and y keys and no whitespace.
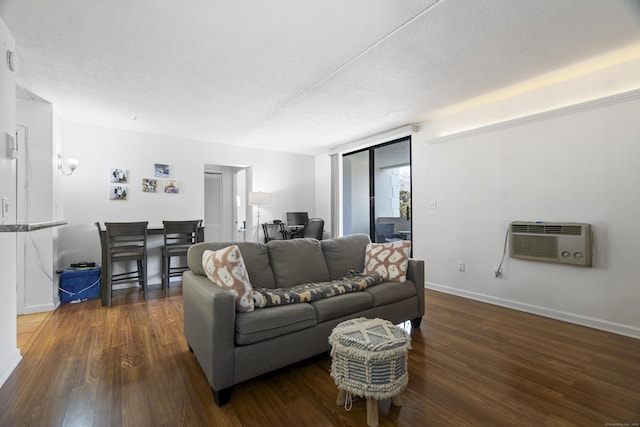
{"x":178,"y":237}
{"x":124,"y":242}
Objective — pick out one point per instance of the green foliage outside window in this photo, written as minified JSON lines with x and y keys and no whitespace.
{"x":405,"y":204}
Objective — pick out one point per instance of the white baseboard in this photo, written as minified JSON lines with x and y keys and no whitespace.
{"x":9,"y":364}
{"x":40,"y":308}
{"x":591,"y":322}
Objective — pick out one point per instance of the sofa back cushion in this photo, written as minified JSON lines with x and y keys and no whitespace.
{"x":255,"y":256}
{"x":297,"y":261}
{"x":345,"y":253}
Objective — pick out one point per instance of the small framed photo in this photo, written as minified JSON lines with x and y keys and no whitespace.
{"x":118,"y":192}
{"x":171,"y":186}
{"x":161,"y":170}
{"x":120,"y":176}
{"x":149,"y":185}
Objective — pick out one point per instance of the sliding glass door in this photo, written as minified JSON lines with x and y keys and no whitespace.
{"x":377,"y":191}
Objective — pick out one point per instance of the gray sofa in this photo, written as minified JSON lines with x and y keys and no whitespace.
{"x":232,"y":347}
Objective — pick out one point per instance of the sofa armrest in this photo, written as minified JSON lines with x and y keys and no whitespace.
{"x":415,"y":273}
{"x":209,"y":326}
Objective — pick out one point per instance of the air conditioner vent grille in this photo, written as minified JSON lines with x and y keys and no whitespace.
{"x":536,"y":246}
{"x":556,"y":229}
{"x":566,"y":243}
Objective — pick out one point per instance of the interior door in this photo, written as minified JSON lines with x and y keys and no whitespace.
{"x":212,"y":206}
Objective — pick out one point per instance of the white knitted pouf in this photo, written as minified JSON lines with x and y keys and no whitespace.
{"x":369,"y":359}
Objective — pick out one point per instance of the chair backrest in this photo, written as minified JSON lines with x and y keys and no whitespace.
{"x":265,"y":231}
{"x":127,"y":235}
{"x":100,"y":230}
{"x":383,"y":231}
{"x":297,"y":218}
{"x":313,"y":228}
{"x":181,"y":232}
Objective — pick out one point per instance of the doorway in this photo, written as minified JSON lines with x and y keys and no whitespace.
{"x":377,"y":191}
{"x":224,"y":203}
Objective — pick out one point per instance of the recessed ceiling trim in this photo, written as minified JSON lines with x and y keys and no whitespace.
{"x":545,"y":115}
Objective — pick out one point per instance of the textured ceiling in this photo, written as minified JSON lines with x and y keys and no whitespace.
{"x":295,"y":75}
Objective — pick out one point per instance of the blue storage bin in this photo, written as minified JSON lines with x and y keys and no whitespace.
{"x":79,"y":285}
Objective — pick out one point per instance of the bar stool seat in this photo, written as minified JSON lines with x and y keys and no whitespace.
{"x":178,"y":237}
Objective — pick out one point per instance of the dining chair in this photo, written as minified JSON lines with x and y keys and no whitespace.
{"x":178,"y":237}
{"x":385,"y":234}
{"x":313,"y":228}
{"x":124,"y":242}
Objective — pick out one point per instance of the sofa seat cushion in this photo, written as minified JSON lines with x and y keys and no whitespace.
{"x":308,"y":292}
{"x":297,"y":261}
{"x":261,"y":325}
{"x":390,"y":292}
{"x":340,"y":306}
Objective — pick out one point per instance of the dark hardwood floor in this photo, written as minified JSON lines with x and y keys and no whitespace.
{"x":472,"y":364}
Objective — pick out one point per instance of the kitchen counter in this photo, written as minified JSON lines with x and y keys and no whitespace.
{"x":32,"y":226}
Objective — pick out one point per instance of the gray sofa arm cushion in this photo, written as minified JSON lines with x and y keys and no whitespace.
{"x":415,"y":273}
{"x":209,"y":319}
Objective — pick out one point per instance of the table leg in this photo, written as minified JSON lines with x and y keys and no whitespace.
{"x":396,"y":400}
{"x":372,"y":412}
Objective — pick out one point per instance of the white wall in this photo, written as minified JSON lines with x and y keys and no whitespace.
{"x":581,"y":166}
{"x":9,"y":354}
{"x":518,"y":161}
{"x":323,"y":192}
{"x":289,"y":177}
{"x":38,"y":179}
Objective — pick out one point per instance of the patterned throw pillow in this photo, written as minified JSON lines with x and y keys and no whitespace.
{"x":389,"y":260}
{"x":226,"y":269}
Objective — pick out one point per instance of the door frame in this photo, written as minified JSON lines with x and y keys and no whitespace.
{"x":372,"y":184}
{"x":233,"y":189}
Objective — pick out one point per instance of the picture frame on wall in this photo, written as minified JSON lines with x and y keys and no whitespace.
{"x":161,"y":170}
{"x":149,"y":185}
{"x":118,"y":192}
{"x":171,"y":186}
{"x":118,"y":175}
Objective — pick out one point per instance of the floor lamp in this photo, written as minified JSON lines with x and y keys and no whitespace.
{"x":258,"y":198}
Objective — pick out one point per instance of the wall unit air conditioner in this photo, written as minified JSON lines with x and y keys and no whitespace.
{"x":566,"y":243}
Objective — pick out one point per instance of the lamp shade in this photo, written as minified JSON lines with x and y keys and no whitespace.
{"x":259,"y":198}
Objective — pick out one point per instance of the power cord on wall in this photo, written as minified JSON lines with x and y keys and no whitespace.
{"x":498,"y":271}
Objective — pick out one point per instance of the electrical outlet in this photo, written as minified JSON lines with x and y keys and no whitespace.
{"x":460,"y":265}
{"x":497,"y":272}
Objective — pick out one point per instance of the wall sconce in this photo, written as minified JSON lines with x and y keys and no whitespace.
{"x":72,"y":164}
